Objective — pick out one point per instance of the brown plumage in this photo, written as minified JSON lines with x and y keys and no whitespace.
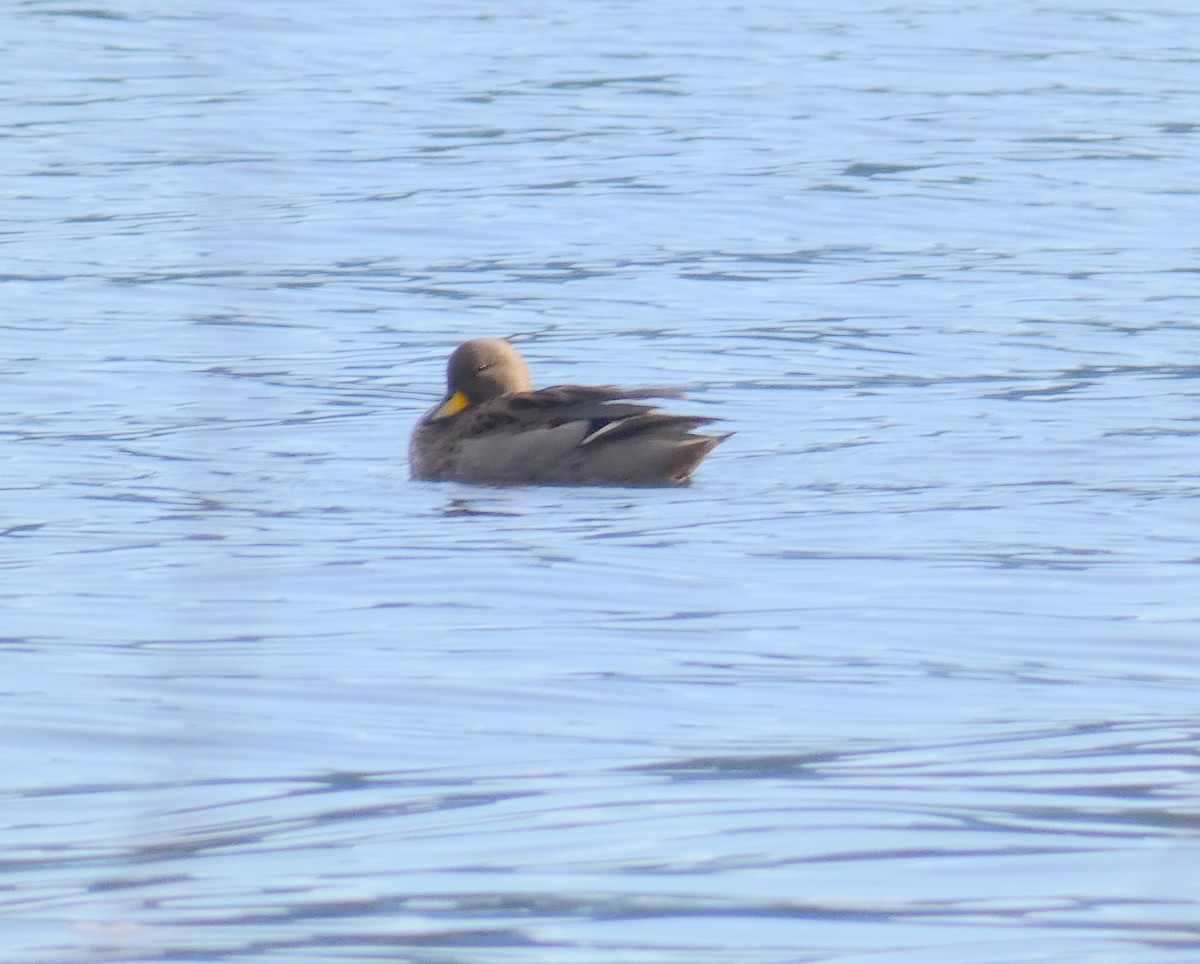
{"x":494,"y":428}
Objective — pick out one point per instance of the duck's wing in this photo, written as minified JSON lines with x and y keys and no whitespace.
{"x":576,"y":434}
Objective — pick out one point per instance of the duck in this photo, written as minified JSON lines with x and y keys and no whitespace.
{"x":494,"y":428}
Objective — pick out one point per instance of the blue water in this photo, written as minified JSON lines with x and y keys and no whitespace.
{"x":910,"y":674}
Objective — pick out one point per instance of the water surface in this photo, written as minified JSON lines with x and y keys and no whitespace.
{"x":909,"y":674}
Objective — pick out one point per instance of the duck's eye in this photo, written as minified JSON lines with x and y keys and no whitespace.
{"x":483,"y":368}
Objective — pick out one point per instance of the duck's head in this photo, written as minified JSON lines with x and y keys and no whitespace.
{"x":482,"y":369}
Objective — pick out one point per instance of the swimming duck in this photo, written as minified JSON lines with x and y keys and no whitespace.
{"x":494,"y":428}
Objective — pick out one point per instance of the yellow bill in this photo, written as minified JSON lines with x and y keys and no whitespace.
{"x":451,"y":406}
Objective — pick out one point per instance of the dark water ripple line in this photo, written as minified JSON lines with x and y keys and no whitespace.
{"x":492,"y":920}
{"x":213,"y":424}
